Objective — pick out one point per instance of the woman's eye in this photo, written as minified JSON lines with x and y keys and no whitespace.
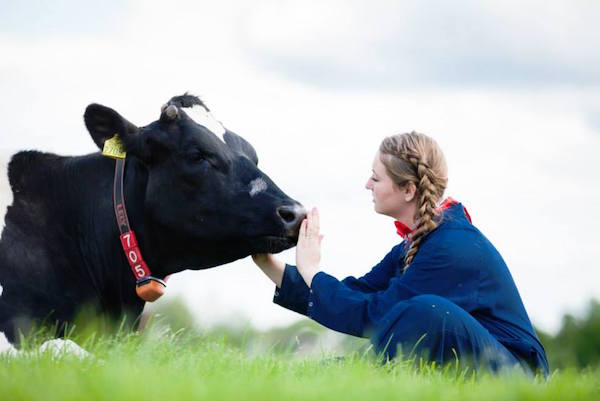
{"x":374,"y":179}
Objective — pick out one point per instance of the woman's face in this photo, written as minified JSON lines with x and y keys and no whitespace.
{"x":389,"y":198}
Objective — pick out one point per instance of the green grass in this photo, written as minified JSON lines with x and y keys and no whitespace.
{"x":191,"y":367}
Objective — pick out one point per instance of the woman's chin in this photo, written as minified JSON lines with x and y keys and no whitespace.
{"x":383,"y":212}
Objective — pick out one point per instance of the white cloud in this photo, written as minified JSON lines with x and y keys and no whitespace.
{"x":390,"y":44}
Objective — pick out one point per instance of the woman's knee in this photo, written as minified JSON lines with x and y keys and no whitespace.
{"x":428,"y":309}
{"x":418,"y":321}
{"x":414,"y":315}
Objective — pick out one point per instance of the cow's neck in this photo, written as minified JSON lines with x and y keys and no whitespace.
{"x":134,"y":191}
{"x":105,"y":264}
{"x":164,"y":251}
{"x":110,"y":267}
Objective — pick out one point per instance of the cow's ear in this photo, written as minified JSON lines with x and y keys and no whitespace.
{"x":103,"y":123}
{"x":240,"y":145}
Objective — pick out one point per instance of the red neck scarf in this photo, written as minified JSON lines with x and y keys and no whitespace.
{"x":405,"y":231}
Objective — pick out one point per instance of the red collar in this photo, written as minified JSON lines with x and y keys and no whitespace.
{"x":402,"y":229}
{"x":405,"y":231}
{"x":147,"y":287}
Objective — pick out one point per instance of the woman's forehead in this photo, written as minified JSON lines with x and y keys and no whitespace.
{"x":378,"y":166}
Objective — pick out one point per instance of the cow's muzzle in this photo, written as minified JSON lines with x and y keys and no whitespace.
{"x":291,"y":217}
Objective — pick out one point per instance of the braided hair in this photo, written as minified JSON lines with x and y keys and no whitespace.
{"x":417,"y":158}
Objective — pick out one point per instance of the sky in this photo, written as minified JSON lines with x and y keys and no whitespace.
{"x":510,"y":90}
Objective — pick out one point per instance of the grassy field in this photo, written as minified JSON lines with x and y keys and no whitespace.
{"x":171,"y":366}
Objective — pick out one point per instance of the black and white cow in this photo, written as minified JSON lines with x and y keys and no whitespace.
{"x":194,"y":200}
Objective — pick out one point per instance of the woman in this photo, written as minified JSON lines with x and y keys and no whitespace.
{"x":443,"y":292}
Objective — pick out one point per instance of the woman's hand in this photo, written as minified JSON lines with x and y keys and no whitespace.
{"x":271,"y":266}
{"x":308,"y":249}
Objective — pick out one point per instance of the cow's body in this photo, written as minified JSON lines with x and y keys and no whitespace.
{"x":60,"y":248}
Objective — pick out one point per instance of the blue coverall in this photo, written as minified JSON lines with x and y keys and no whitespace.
{"x":456,"y":296}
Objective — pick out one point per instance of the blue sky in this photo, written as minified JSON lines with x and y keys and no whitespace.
{"x":510,"y":90}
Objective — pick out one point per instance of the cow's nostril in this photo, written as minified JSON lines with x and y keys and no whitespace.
{"x":291,"y":217}
{"x":287,"y":214}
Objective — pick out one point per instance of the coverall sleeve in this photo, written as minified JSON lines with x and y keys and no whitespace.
{"x":294,"y":292}
{"x":378,"y":278}
{"x":335,"y":305}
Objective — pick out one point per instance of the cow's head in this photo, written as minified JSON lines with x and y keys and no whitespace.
{"x":205,"y":197}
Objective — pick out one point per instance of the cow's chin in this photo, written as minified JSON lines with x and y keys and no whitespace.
{"x":272,"y":244}
{"x":218,"y":254}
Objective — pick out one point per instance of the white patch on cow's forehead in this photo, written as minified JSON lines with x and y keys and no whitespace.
{"x":1,"y":289}
{"x":204,"y":118}
{"x":257,"y":186}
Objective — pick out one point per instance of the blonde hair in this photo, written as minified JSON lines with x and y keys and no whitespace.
{"x":417,"y":158}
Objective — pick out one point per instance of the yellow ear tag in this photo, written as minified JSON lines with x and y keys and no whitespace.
{"x":114,"y":148}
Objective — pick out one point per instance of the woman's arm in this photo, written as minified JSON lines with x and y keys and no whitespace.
{"x":378,"y":279}
{"x":340,"y":308}
{"x":291,"y":292}
{"x":271,"y":266}
{"x":435,"y":270}
{"x":308,"y":256}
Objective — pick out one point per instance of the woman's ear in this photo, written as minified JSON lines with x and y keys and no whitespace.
{"x":409,"y":191}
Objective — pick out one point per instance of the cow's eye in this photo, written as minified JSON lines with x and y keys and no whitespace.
{"x":195,"y":156}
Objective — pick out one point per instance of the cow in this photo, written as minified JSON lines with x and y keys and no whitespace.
{"x":195,"y":198}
